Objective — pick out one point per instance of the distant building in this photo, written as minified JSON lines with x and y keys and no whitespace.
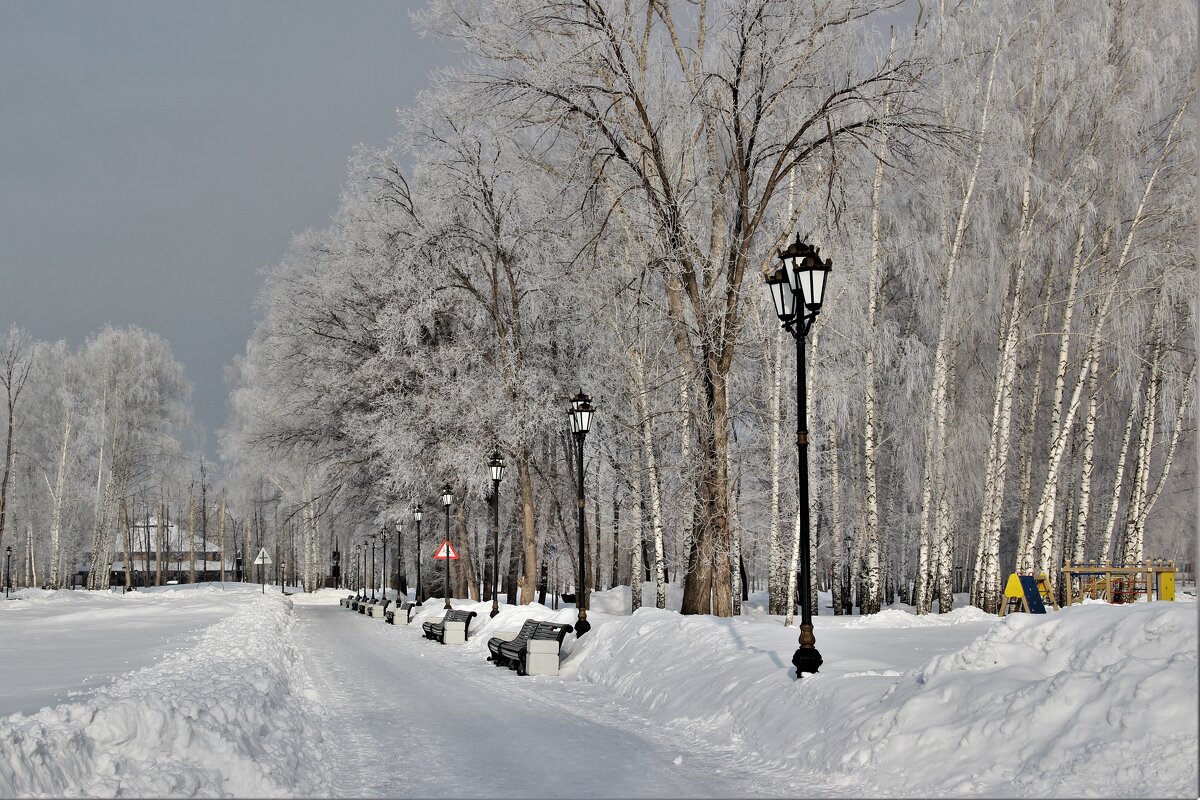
{"x":176,"y":557}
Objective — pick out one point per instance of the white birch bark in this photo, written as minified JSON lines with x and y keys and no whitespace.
{"x":874,"y":597}
{"x":776,"y":579}
{"x":1079,"y":552}
{"x":56,"y":497}
{"x":936,"y":422}
{"x":1134,"y":511}
{"x":192,"y":537}
{"x":221,"y":536}
{"x":1050,"y":532}
{"x":651,"y":463}
{"x":1040,"y":524}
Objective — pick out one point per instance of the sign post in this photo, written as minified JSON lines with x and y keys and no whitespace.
{"x":446,"y":553}
{"x":262,"y":559}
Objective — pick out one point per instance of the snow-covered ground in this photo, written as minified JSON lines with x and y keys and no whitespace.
{"x":226,"y":691}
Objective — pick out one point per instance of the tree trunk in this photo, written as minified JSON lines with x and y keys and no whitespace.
{"x":529,"y":540}
{"x":776,"y":577}
{"x":56,"y":496}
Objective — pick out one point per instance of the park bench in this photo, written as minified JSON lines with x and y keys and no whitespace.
{"x":533,"y":650}
{"x":377,"y":609}
{"x":355,"y":602}
{"x":346,"y":601}
{"x":404,"y":610}
{"x":452,"y":629}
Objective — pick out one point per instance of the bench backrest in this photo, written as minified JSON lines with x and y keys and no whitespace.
{"x":551,"y":630}
{"x":457,"y":615}
{"x":526,"y":630}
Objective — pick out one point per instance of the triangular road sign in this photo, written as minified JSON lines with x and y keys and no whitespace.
{"x":446,"y":551}
{"x":263,"y":558}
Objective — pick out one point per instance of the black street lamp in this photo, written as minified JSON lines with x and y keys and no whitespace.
{"x":362,"y":575}
{"x":846,"y":598}
{"x":496,"y":465}
{"x":7,"y":570}
{"x":581,"y":420}
{"x":373,"y":537}
{"x":383,"y":576}
{"x":401,"y":580}
{"x":447,"y":499}
{"x":417,"y":514}
{"x":802,"y":275}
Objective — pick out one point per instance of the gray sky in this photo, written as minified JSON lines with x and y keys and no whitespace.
{"x":154,"y":156}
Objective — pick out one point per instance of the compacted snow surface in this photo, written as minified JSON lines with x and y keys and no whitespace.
{"x":224,"y":691}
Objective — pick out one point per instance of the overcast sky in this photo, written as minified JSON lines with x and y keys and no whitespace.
{"x":154,"y":156}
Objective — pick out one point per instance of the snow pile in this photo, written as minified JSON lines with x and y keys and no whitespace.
{"x":229,"y":716}
{"x":1094,"y":697}
{"x":1093,"y":700}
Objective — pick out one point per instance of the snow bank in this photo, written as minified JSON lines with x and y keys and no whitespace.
{"x":1093,"y":700}
{"x":229,"y":716}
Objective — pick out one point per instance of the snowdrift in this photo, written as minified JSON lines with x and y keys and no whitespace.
{"x":1094,"y":700}
{"x":229,"y":716}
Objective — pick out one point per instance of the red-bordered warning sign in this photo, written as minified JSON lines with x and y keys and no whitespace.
{"x":446,"y":551}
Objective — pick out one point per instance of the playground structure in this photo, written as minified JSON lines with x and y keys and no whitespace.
{"x":1119,"y":583}
{"x":1028,"y":593}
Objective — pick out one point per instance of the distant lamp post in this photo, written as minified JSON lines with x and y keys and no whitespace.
{"x":374,"y":582}
{"x":364,"y":578}
{"x":846,"y":599}
{"x":447,"y":499}
{"x":417,"y":514}
{"x":801,"y":277}
{"x":401,"y":581}
{"x":581,"y":421}
{"x":7,"y":570}
{"x":496,"y":465}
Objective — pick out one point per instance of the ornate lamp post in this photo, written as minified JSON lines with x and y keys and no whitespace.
{"x":401,"y":580}
{"x":373,"y":537}
{"x":363,"y":575}
{"x":383,"y":576}
{"x":581,"y":421}
{"x":802,"y":276}
{"x":417,"y":514}
{"x":496,"y":465}
{"x":447,"y":499}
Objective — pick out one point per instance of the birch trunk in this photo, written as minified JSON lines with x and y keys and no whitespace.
{"x":529,"y":542}
{"x":1134,"y":511}
{"x":934,"y":455}
{"x":1050,"y":531}
{"x":776,"y":578}
{"x":874,"y":597}
{"x":1079,"y":551}
{"x":192,"y":538}
{"x":221,"y":536}
{"x":1113,"y":280}
{"x":56,"y":497}
{"x":642,"y":392}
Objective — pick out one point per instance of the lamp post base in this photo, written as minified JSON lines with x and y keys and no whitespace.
{"x":495,"y":609}
{"x":582,"y":626}
{"x":806,"y":659}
